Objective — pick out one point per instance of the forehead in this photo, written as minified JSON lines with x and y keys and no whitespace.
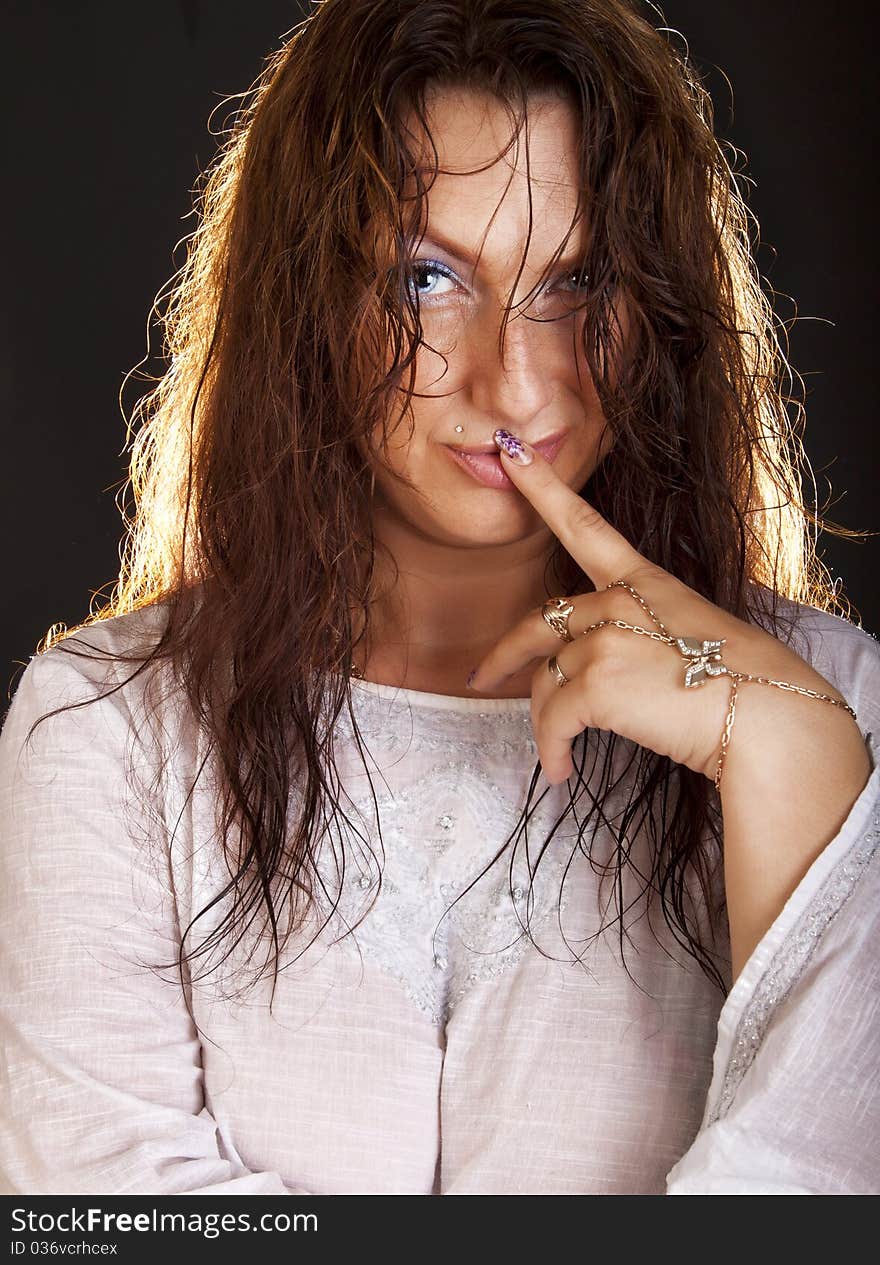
{"x":484,"y":197}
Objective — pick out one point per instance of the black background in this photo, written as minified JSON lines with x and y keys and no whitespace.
{"x":106,"y":125}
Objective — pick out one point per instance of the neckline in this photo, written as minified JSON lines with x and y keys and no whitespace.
{"x":444,"y":702}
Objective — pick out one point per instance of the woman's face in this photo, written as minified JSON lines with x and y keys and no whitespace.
{"x":542,"y":389}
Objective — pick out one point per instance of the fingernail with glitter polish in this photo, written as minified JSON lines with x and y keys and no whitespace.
{"x":513,"y":447}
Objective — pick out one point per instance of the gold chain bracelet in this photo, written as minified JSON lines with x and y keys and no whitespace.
{"x":704,"y":661}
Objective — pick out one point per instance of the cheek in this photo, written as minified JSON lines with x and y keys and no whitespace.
{"x":611,"y":351}
{"x":449,"y":349}
{"x":620,"y":337}
{"x":402,"y":458}
{"x":391,"y":440}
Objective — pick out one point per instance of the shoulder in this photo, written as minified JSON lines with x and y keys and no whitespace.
{"x":91,"y":664}
{"x":847,"y":655}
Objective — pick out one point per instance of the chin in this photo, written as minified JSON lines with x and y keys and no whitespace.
{"x":504,"y":526}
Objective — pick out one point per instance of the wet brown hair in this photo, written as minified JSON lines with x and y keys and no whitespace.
{"x":289,"y":341}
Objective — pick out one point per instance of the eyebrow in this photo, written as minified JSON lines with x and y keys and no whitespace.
{"x":465,"y":256}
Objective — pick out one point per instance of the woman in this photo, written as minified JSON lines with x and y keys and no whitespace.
{"x":410,"y":721}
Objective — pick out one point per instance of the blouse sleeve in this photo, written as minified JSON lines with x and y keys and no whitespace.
{"x":794,"y":1103}
{"x":102,"y":1089}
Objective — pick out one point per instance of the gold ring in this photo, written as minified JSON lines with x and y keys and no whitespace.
{"x":556,"y":613}
{"x":556,"y":671}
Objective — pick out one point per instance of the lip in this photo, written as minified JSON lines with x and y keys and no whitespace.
{"x":485,"y":467}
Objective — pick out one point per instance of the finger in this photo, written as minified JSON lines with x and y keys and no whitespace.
{"x":597,"y":547}
{"x":559,"y":714}
{"x":533,"y":638}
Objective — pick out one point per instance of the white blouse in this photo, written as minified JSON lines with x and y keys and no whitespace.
{"x":425,"y":1054}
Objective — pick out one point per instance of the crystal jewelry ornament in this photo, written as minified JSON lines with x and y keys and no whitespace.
{"x":703,"y":659}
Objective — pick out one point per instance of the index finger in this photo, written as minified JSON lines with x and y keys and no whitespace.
{"x":598,"y":548}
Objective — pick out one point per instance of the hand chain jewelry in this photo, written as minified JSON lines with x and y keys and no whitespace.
{"x":702,"y":657}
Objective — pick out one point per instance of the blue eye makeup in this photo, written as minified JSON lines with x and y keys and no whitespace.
{"x":429,"y":268}
{"x":431,"y":272}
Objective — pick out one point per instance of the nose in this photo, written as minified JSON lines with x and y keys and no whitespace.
{"x":512,"y":384}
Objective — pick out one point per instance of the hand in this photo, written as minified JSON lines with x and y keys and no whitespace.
{"x":625,"y":682}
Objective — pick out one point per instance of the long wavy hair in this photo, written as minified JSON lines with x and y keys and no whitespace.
{"x":289,"y":339}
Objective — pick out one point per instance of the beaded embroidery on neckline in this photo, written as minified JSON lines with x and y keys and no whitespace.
{"x":439,"y":702}
{"x":460,"y":779}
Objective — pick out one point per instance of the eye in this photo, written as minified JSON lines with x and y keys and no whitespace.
{"x":424,"y":276}
{"x":579,"y":278}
